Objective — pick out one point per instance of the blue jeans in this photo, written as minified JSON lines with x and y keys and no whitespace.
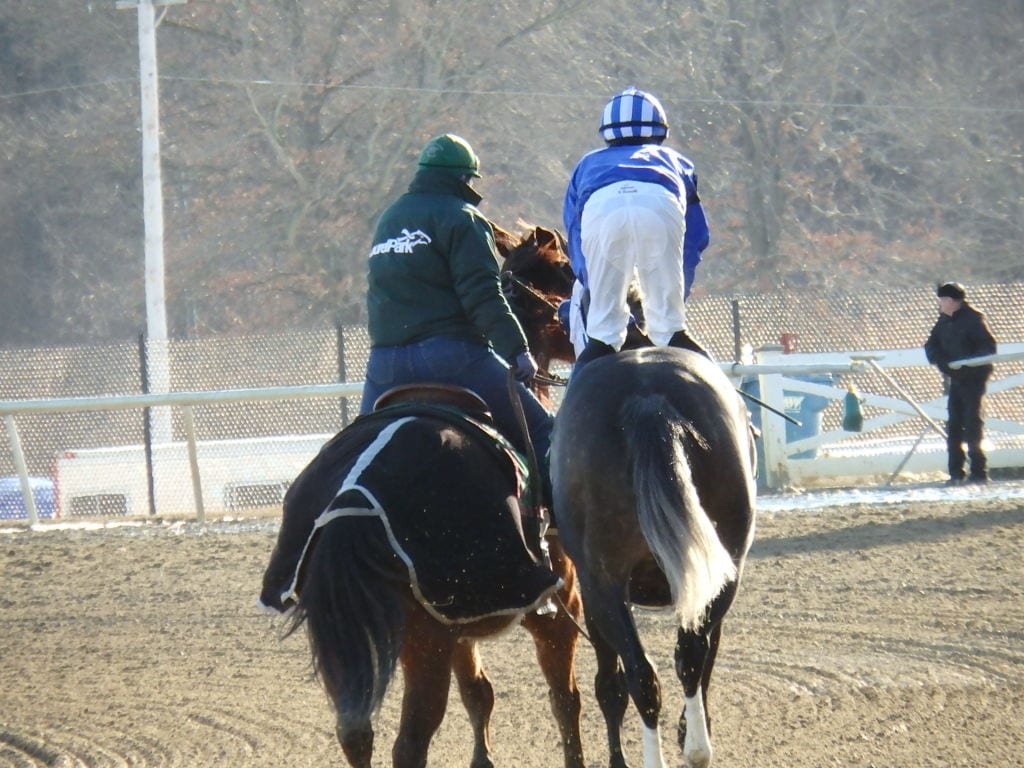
{"x":466,"y":364}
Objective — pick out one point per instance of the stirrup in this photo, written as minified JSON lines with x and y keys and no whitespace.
{"x":535,"y":526}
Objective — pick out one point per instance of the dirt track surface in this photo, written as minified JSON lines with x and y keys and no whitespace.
{"x":863,"y":636}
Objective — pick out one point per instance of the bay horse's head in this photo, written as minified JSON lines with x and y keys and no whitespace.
{"x":538,"y":258}
{"x":536,"y":277}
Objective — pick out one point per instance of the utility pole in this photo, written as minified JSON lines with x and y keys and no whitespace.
{"x":153,"y":213}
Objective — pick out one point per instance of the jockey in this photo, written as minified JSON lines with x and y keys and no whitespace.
{"x":632,"y":206}
{"x":436,"y":310}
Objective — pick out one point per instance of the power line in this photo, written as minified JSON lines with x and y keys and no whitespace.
{"x":63,"y":88}
{"x":717,"y":101}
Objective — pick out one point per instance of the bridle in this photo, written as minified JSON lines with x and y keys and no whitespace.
{"x":542,"y":376}
{"x":532,"y":292}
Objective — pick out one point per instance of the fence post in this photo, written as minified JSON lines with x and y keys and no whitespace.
{"x":147,"y":430}
{"x":339,"y":342}
{"x":773,"y":428}
{"x":193,"y":462}
{"x":22,"y":469}
{"x":736,"y":346}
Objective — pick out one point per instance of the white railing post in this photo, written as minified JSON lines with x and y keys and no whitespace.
{"x":193,"y":462}
{"x":22,"y":469}
{"x":773,"y":426}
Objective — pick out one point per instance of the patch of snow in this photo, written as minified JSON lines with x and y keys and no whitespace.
{"x":894,"y":494}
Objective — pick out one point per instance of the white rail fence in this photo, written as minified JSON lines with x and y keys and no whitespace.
{"x":119,"y":471}
{"x":837,"y":457}
{"x":832,"y":457}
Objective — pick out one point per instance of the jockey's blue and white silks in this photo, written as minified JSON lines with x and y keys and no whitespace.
{"x":633,"y":205}
{"x":633,"y":114}
{"x":649,"y":163}
{"x":634,"y":227}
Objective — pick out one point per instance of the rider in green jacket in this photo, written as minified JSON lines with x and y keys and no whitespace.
{"x":436,"y":310}
{"x":433,"y":268}
{"x":437,"y":315}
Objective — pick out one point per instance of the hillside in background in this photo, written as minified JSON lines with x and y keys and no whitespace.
{"x":839,"y":148}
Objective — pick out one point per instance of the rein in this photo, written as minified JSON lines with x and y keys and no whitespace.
{"x":533,"y":293}
{"x":550,"y":379}
{"x":533,"y":489}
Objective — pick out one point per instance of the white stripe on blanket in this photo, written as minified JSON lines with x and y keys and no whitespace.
{"x":351,"y":482}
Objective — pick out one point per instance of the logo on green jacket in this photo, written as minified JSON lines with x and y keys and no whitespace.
{"x":403,"y":244}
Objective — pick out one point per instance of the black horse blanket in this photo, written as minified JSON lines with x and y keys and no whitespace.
{"x":451,"y":516}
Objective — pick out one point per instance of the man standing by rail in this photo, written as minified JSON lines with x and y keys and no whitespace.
{"x":961,"y":332}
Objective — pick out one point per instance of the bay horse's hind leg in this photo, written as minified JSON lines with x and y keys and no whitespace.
{"x":477,"y":697}
{"x":556,"y":638}
{"x":614,"y":636}
{"x":426,"y":660}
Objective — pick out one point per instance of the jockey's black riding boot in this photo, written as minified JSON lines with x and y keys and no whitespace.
{"x":683,"y":340}
{"x":537,"y":520}
{"x":592,"y":351}
{"x":534,"y":528}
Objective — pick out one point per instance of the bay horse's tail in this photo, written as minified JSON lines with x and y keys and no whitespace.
{"x":350,"y":600}
{"x":678,"y":530}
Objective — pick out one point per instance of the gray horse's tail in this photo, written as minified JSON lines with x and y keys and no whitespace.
{"x":678,"y":531}
{"x":350,"y":602}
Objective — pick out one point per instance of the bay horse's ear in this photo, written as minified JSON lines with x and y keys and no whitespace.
{"x":505,"y":241}
{"x":545,"y":237}
{"x":552,"y":238}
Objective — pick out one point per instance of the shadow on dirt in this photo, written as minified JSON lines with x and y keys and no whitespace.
{"x":943,"y":524}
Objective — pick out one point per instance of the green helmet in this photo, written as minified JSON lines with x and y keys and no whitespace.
{"x":450,"y":153}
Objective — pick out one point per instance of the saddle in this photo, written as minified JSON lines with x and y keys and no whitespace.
{"x":460,"y":398}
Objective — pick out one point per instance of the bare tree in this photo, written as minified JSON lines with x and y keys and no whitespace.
{"x":838,"y":147}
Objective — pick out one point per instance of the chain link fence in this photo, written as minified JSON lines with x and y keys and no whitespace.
{"x":249,"y":451}
{"x":897,"y":319}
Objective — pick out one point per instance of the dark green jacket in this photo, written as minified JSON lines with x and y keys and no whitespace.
{"x":433,"y":270}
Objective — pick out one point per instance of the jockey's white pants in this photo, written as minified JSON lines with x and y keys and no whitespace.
{"x":632,"y":226}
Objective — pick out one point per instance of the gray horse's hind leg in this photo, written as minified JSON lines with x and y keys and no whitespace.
{"x":694,"y":660}
{"x":614,"y":635}
{"x":612,"y":696}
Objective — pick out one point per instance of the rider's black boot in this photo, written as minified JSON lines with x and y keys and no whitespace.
{"x":683,"y":340}
{"x":592,"y":351}
{"x":537,"y":522}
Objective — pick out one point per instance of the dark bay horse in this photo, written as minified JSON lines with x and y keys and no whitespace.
{"x":416,"y":554}
{"x":654,"y":502}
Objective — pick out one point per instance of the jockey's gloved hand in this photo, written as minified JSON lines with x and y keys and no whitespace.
{"x":525,"y":368}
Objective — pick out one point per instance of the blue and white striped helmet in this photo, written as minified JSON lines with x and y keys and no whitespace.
{"x":633,"y":114}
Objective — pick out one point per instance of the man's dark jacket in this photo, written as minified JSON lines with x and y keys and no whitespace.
{"x":433,"y":270}
{"x":959,"y":336}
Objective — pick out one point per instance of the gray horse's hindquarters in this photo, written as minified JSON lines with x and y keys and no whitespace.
{"x":654,"y":501}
